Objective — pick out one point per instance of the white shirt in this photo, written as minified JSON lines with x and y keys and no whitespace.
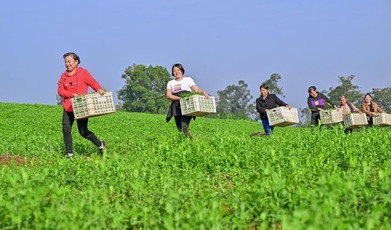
{"x":184,"y":84}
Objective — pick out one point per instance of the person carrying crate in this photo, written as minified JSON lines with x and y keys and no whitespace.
{"x":265,"y":102}
{"x":74,"y":81}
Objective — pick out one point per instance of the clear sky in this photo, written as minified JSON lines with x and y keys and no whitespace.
{"x":218,"y":42}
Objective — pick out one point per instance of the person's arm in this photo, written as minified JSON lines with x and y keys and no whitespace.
{"x":171,"y":96}
{"x":279,"y":102}
{"x":260,"y":108}
{"x":329,"y":102}
{"x":379,"y":109}
{"x":195,"y":88}
{"x":62,"y":91}
{"x":356,"y":109}
{"x":92,"y":82}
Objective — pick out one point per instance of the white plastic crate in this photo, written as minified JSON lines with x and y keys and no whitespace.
{"x":282,"y":116}
{"x":355,"y":120}
{"x":197,"y":105}
{"x":331,"y":116}
{"x":92,"y":104}
{"x":384,"y":119}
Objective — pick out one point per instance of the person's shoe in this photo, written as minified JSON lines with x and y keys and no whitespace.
{"x":69,"y":155}
{"x":102,"y":148}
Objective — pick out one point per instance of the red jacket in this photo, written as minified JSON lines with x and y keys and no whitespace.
{"x":77,"y":83}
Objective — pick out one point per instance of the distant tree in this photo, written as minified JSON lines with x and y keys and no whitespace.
{"x":347,"y":88}
{"x":272,"y":83}
{"x":234,"y":102}
{"x":144,"y":89}
{"x":383,"y":98}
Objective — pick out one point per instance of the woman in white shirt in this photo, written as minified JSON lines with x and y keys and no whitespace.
{"x":175,"y":88}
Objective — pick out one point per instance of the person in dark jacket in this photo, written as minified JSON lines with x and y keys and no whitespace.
{"x":316,"y":102}
{"x":265,"y":102}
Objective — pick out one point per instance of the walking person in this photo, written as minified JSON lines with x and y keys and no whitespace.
{"x":316,"y":102}
{"x":347,"y":108}
{"x":75,"y":81}
{"x":265,"y":102}
{"x":370,"y":108}
{"x":175,"y":88}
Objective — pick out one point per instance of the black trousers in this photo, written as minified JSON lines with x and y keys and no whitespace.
{"x":82,"y":124}
{"x":315,"y":117}
{"x":182,"y":123}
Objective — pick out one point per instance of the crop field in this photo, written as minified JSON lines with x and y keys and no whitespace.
{"x":152,"y":177}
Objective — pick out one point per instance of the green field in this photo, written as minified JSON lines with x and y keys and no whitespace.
{"x":154,"y":178}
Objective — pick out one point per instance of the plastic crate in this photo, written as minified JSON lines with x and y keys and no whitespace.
{"x":384,"y":119}
{"x":282,"y":116}
{"x":331,"y":116}
{"x":92,"y":104}
{"x":197,"y":105}
{"x":355,"y":120}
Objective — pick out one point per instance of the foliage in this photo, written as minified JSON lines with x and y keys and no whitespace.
{"x":383,"y":98}
{"x":346,"y":88}
{"x":190,"y":94}
{"x":272,"y":83}
{"x":144,"y":89}
{"x":154,"y":178}
{"x":234,"y":101}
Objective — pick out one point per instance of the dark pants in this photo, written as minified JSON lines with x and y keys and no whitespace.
{"x":348,"y":131}
{"x":182,"y":123}
{"x":315,"y":117}
{"x":82,"y":124}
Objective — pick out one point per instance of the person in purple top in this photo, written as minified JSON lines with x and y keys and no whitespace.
{"x":316,"y":102}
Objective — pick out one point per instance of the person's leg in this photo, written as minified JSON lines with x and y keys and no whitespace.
{"x":82,"y":125}
{"x":67,"y":121}
{"x":348,"y":131}
{"x":178,"y":123}
{"x":185,"y":122}
{"x":266,"y":127}
{"x":315,"y":118}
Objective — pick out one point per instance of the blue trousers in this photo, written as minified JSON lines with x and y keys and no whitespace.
{"x":266,"y":126}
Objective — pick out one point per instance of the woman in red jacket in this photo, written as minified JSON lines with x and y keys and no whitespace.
{"x":74,"y":81}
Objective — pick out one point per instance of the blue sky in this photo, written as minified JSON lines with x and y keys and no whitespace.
{"x":218,"y":42}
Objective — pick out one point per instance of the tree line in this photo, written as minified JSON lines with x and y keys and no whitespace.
{"x":145,"y":87}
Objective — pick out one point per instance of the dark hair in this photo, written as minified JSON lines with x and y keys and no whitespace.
{"x":263,"y":86}
{"x":74,"y":56}
{"x":311,"y":88}
{"x":368,"y":94}
{"x":343,"y":96}
{"x":179,"y":66}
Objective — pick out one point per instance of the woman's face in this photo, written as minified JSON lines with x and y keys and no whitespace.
{"x":264,"y":92}
{"x":70,"y":63}
{"x":313,"y":93}
{"x":368,"y":99}
{"x":177,"y":72}
{"x":343,"y":100}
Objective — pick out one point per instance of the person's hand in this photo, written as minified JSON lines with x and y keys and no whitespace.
{"x":101,"y":91}
{"x":336,"y":107}
{"x":374,"y":114}
{"x":320,"y":109}
{"x":74,"y":94}
{"x":205,"y":95}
